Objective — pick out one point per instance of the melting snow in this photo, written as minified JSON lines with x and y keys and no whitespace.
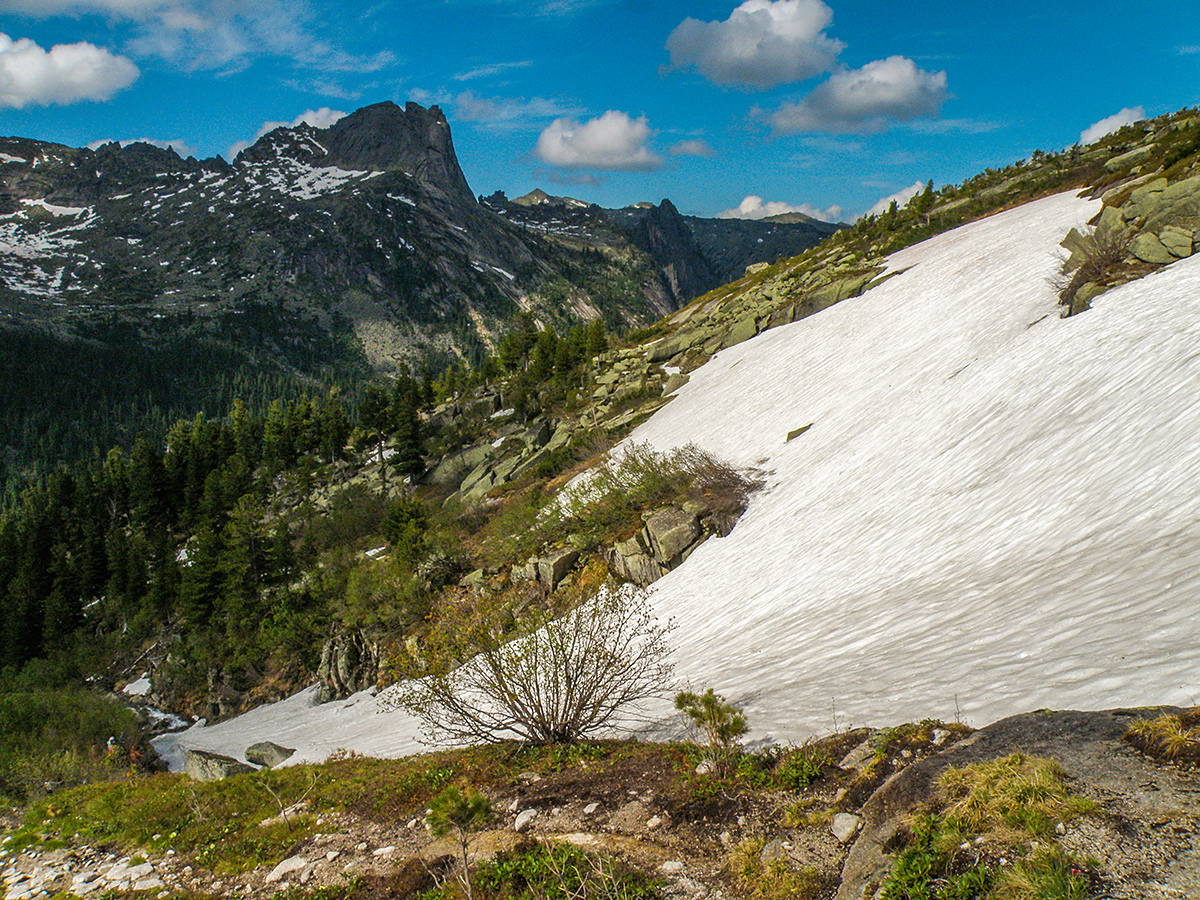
{"x":57,"y":210}
{"x":995,"y":509}
{"x":5,"y":157}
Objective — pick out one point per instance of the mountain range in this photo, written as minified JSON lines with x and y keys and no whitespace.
{"x":318,"y":256}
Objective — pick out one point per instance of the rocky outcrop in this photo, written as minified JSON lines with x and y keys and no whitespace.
{"x":667,"y":537}
{"x":349,"y":663}
{"x":1089,"y":747}
{"x":664,"y":235}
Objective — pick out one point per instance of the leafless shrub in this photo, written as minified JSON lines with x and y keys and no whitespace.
{"x":564,"y":680}
{"x":1104,"y":256}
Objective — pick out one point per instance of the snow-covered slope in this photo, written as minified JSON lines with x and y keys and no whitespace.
{"x":994,"y":510}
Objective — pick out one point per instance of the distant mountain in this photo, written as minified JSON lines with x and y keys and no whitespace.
{"x":692,"y":254}
{"x":314,"y":258}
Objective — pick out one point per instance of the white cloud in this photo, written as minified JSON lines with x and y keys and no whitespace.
{"x":612,"y":142}
{"x":317,"y":118}
{"x":864,"y":100}
{"x":181,"y":147}
{"x":66,"y":73}
{"x":901,"y":197}
{"x":693,"y":148}
{"x":1115,"y":122}
{"x":488,"y":71}
{"x":508,"y":113}
{"x":763,"y":43}
{"x":755,"y":208}
{"x":216,"y":34}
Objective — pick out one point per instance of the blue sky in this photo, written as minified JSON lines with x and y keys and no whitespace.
{"x":822,"y":105}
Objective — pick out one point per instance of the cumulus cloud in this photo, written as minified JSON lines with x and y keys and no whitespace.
{"x":612,"y":142}
{"x":865,"y":100}
{"x":762,"y":44}
{"x":317,"y":118}
{"x":181,"y":147}
{"x":1115,"y":122}
{"x":66,"y":73}
{"x":216,"y":34}
{"x":510,"y":114}
{"x":901,"y":197}
{"x":693,"y":148}
{"x":755,"y":208}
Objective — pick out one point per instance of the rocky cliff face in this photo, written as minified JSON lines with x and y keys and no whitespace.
{"x":365,"y":233}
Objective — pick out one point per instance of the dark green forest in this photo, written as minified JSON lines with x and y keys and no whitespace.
{"x":240,"y":539}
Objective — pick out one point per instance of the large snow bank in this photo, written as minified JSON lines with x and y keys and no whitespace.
{"x":995,"y":509}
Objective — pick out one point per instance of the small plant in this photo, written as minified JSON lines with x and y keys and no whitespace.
{"x":1173,"y":737}
{"x":550,"y":872}
{"x":721,"y":723}
{"x":775,"y":880}
{"x":1006,"y":807}
{"x":1098,"y":259}
{"x":454,"y":811}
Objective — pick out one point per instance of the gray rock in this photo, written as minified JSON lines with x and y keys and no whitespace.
{"x":1129,"y":160}
{"x":268,"y":753}
{"x":671,"y":531}
{"x":553,"y":568}
{"x":205,"y":766}
{"x":674,"y":383}
{"x":741,"y":331}
{"x":524,"y":820}
{"x":289,"y":865}
{"x":1148,"y":248}
{"x":1178,"y":241}
{"x":792,"y":435}
{"x":773,"y":852}
{"x":454,"y":468}
{"x":527,"y":571}
{"x":859,"y":755}
{"x":845,"y":826}
{"x":349,"y":663}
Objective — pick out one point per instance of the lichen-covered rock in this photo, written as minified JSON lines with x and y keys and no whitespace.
{"x":671,"y":531}
{"x":1148,"y":248}
{"x":1177,"y":240}
{"x":268,"y":753}
{"x":553,"y":567}
{"x":202,"y":765}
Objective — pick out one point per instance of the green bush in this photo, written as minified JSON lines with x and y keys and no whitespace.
{"x":58,"y":738}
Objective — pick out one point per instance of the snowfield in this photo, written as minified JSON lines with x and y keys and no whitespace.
{"x":995,"y":509}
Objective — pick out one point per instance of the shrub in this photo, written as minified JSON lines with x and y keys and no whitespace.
{"x":1104,"y":256}
{"x":58,"y":738}
{"x":721,"y":723}
{"x":565,"y":679}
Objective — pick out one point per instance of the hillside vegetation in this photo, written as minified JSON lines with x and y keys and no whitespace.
{"x":251,"y":553}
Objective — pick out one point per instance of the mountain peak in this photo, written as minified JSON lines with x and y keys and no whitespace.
{"x":379,"y":137}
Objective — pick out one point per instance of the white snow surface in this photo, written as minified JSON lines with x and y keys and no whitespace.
{"x":995,"y":509}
